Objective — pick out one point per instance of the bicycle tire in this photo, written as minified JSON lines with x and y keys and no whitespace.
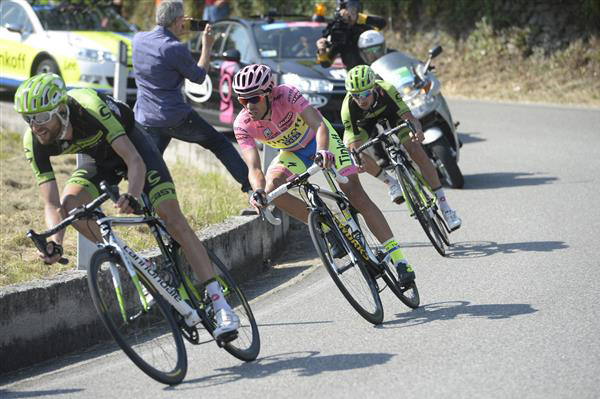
{"x":247,"y":345}
{"x":415,"y":203}
{"x":450,"y":173}
{"x":365,"y":285}
{"x":142,"y":335}
{"x":440,"y":225}
{"x":409,"y":295}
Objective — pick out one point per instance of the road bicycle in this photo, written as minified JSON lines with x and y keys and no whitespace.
{"x":147,"y":306}
{"x":418,"y":195}
{"x":334,"y":221}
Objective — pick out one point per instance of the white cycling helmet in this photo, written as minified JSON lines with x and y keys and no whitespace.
{"x":371,"y":45}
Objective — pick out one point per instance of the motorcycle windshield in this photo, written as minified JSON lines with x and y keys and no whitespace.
{"x":396,"y":68}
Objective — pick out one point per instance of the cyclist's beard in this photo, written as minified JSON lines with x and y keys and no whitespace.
{"x":46,"y":136}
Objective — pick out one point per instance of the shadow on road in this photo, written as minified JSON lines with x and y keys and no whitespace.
{"x":458,"y":309}
{"x":304,"y":364}
{"x":477,"y":249}
{"x":7,"y":394}
{"x":482,"y":181}
{"x":469,"y":138}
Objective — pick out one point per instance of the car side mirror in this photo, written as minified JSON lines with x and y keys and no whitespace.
{"x":14,"y":28}
{"x":434,"y":52}
{"x":232,"y":55}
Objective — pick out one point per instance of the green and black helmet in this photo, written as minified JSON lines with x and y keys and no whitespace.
{"x":40,"y":93}
{"x":360,"y":78}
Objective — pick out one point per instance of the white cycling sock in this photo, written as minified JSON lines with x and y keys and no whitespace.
{"x":386,"y":178}
{"x":216,"y":296}
{"x":441,"y":200}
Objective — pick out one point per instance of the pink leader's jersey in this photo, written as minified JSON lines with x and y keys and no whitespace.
{"x":286,"y":130}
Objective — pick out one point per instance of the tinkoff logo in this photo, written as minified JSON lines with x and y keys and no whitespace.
{"x":12,"y":61}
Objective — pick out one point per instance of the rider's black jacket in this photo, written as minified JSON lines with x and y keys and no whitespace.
{"x":344,"y":39}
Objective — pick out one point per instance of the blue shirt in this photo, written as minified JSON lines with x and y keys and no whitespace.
{"x":160,"y":64}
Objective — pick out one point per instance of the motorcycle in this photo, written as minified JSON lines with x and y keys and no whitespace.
{"x":420,"y":90}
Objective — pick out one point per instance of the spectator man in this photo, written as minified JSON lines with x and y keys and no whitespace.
{"x":161,"y":63}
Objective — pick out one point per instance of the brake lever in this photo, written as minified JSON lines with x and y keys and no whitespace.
{"x":41,"y":244}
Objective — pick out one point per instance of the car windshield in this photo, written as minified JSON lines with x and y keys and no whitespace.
{"x":76,"y":18}
{"x":288,"y":39}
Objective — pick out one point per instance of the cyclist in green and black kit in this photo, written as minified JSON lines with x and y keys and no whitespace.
{"x":369,"y":100}
{"x":86,"y":122}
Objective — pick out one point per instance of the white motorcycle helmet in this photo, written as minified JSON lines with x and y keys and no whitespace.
{"x":371,"y":45}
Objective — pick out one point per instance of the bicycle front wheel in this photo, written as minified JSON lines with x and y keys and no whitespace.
{"x":142,"y":325}
{"x":421,"y":210}
{"x":352,"y":278}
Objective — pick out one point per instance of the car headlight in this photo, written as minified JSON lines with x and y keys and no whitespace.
{"x":88,"y":54}
{"x":307,"y":85}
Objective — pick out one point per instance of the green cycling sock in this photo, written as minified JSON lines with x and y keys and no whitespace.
{"x":391,"y":246}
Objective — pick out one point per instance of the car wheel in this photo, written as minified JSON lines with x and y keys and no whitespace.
{"x":48,"y":65}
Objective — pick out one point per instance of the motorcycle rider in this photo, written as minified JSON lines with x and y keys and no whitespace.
{"x":367,"y":101}
{"x":340,"y":37}
{"x":371,"y":46}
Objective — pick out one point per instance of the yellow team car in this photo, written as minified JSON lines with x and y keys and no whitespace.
{"x":78,"y":41}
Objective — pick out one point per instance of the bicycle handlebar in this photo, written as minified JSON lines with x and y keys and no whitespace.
{"x":39,"y":240}
{"x":284,"y":188}
{"x":381,"y":136}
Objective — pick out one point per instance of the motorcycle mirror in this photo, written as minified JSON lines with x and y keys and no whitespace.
{"x":434,"y":52}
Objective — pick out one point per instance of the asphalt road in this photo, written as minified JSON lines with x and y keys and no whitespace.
{"x":512,"y":312}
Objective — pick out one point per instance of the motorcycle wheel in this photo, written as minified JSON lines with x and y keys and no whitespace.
{"x":450,"y":172}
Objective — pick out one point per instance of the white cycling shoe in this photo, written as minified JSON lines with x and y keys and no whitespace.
{"x":395,"y":191}
{"x":452,"y":219}
{"x":227,"y":321}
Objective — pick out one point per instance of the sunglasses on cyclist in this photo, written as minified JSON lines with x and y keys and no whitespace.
{"x":251,"y":100}
{"x":40,"y":118}
{"x":362,"y":94}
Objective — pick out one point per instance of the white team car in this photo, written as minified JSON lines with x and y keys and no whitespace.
{"x":80,"y":42}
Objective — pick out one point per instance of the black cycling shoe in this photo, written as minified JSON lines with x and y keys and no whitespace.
{"x":336,"y":247}
{"x":406,"y":274}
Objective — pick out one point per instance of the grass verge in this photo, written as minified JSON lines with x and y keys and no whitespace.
{"x":204,"y":198}
{"x":495,"y":65}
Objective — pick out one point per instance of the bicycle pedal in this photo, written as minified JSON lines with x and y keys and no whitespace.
{"x":342,"y":269}
{"x":226,"y":338}
{"x":190,"y":334}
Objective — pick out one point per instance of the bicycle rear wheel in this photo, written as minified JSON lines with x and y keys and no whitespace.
{"x":409,"y":295}
{"x":148,"y":335}
{"x":352,"y":278}
{"x":421,"y":211}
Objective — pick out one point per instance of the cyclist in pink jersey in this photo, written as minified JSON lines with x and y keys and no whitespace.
{"x":280,"y":117}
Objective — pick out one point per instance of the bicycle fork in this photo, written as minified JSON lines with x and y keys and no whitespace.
{"x":172,"y":295}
